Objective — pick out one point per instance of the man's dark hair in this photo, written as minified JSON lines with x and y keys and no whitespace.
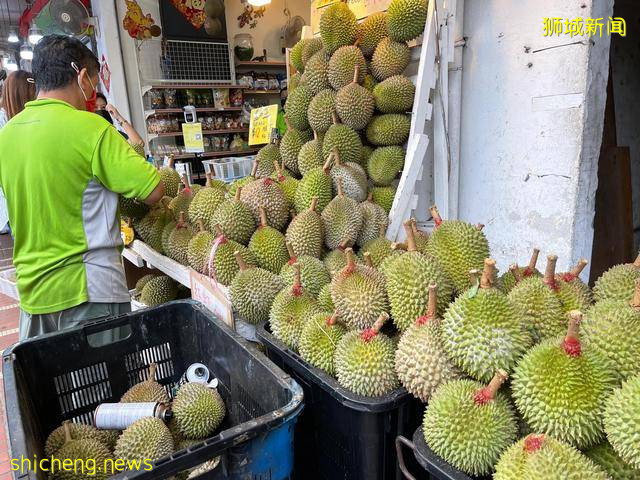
{"x":52,"y":59}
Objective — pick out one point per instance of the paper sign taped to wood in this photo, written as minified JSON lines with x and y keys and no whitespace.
{"x":208,"y":292}
{"x":263,"y":121}
{"x":361,"y":8}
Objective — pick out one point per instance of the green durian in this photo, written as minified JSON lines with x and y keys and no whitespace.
{"x":132,"y":208}
{"x":290,"y":145}
{"x":364,"y":361}
{"x":354,"y":103}
{"x":315,"y":184}
{"x":389,"y":58}
{"x":469,"y":424}
{"x":324,"y":299}
{"x":235,"y":219}
{"x":622,"y":421}
{"x":294,"y":81}
{"x":342,"y":219}
{"x":335,"y":260}
{"x":268,"y":246}
{"x":515,"y":274}
{"x":573,"y":293}
{"x":388,"y":129}
{"x":305,"y":233}
{"x":316,"y":74}
{"x":198,"y":410}
{"x":378,"y":248}
{"x":159,"y":290}
{"x":224,"y":266}
{"x":560,"y":387}
{"x":606,"y":458}
{"x":80,"y":452}
{"x":394,"y":95}
{"x":170,"y":178}
{"x":267,"y":194}
{"x":351,"y":176}
{"x":77,"y":431}
{"x":319,"y":339}
{"x":143,"y":281}
{"x":313,"y":273}
{"x":309,"y":49}
{"x":406,"y":19}
{"x":617,"y":283}
{"x":321,"y":111}
{"x":145,"y":439}
{"x":204,"y":205}
{"x":266,"y":157}
{"x":343,"y":139}
{"x":374,"y":225}
{"x":384,"y":196}
{"x":296,"y":108}
{"x":295,"y":55}
{"x":338,"y":27}
{"x":287,"y":183}
{"x":146,"y":391}
{"x":179,"y":241}
{"x":384,"y":164}
{"x":199,"y":248}
{"x":310,"y":155}
{"x":342,"y":65}
{"x":482,"y":331}
{"x":371,"y":31}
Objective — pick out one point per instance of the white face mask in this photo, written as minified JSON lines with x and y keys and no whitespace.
{"x":90,"y":103}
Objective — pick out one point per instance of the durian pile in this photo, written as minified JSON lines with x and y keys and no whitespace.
{"x":198,"y":412}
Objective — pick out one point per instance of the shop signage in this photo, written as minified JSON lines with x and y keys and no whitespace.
{"x":193,"y":141}
{"x":263,"y":121}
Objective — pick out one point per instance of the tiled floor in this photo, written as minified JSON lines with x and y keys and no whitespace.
{"x":9,"y":314}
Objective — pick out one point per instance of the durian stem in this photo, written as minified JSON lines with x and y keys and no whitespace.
{"x":575,"y":271}
{"x":496,"y":382}
{"x":336,"y":156}
{"x":172,"y":160}
{"x":200,"y":225}
{"x":292,"y":254}
{"x":67,"y":431}
{"x":152,"y":371}
{"x":263,"y":216}
{"x":437,"y":219}
{"x":208,"y":182}
{"x":370,"y":196}
{"x":367,"y":260}
{"x":636,"y":262}
{"x":351,"y":261}
{"x":240,"y":261}
{"x":550,"y":271}
{"x":334,"y":117}
{"x":327,"y":164}
{"x":130,"y":222}
{"x":384,"y":316}
{"x":474,"y":274}
{"x":433,"y":300}
{"x":314,"y":204}
{"x":254,"y":169}
{"x":184,"y":180}
{"x":479,"y":226}
{"x":575,"y":317}
{"x":515,"y":271}
{"x":488,"y":273}
{"x":411,"y":239}
{"x":635,"y":301}
{"x":356,"y":74}
{"x":340,"y":192}
{"x":344,"y":243}
{"x":383,"y":230}
{"x":315,"y":135}
{"x":534,"y":259}
{"x":218,"y":229}
{"x":293,"y":214}
{"x":181,"y":220}
{"x":399,"y":246}
{"x":238,"y":192}
{"x":296,"y":277}
{"x":278,"y":169}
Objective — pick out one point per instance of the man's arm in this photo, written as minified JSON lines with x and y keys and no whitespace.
{"x":156,"y":195}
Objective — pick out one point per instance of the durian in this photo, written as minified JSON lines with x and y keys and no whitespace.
{"x":371,"y":31}
{"x":147,"y":391}
{"x":170,"y":178}
{"x":266,"y":157}
{"x":316,"y":74}
{"x":315,"y":184}
{"x":324,"y":299}
{"x":335,"y":260}
{"x":606,"y":458}
{"x":338,"y":27}
{"x":394,"y":95}
{"x":287,"y":183}
{"x":364,"y":361}
{"x":223,"y":266}
{"x":267,"y":194}
{"x":145,"y":439}
{"x":204,"y":205}
{"x":322,"y":110}
{"x":345,"y":140}
{"x":384,"y":196}
{"x":199,"y":248}
{"x":77,"y":431}
{"x":622,"y":421}
{"x":235,"y":219}
{"x":313,"y":273}
{"x":305,"y":233}
{"x":342,"y":218}
{"x":80,"y":452}
{"x":354,"y":103}
{"x":158,"y":290}
{"x":319,"y":338}
{"x":388,"y":129}
{"x":389,"y":58}
{"x":573,"y":293}
{"x":384,"y":164}
{"x":290,"y":145}
{"x":406,"y":19}
{"x":374,"y":225}
{"x":617,"y":283}
{"x":342,"y":65}
{"x":310,"y":155}
{"x":198,"y":410}
{"x":268,"y":246}
{"x":132,"y":208}
{"x":351,"y":176}
{"x":179,"y":241}
{"x":309,"y":49}
{"x":379,"y":248}
{"x":296,"y":107}
{"x":509,"y":279}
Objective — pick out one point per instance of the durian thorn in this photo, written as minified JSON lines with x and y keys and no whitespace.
{"x":67,"y":431}
{"x":488,"y":273}
{"x":488,"y":393}
{"x":314,"y":204}
{"x":479,"y":226}
{"x":533,"y":442}
{"x":571,"y":343}
{"x":532,"y":262}
{"x":351,"y":261}
{"x":367,"y":260}
{"x":336,"y":156}
{"x":327,"y":164}
{"x":356,"y":74}
{"x":474,"y":275}
{"x":152,"y":372}
{"x":238,"y":193}
{"x":577,"y":270}
{"x":172,"y":160}
{"x":240,"y":261}
{"x":411,"y":239}
{"x":218,"y":229}
{"x":200,"y":225}
{"x":334,"y":117}
{"x":287,"y":122}
{"x":437,"y":219}
{"x":635,"y":301}
{"x":550,"y":272}
{"x":254,"y":169}
{"x":433,"y":300}
{"x":296,"y":289}
{"x":292,"y":254}
{"x":339,"y":187}
{"x":636,"y":262}
{"x":515,"y":271}
{"x":263,"y":216}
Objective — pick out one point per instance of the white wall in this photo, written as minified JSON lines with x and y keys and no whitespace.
{"x":531,"y":127}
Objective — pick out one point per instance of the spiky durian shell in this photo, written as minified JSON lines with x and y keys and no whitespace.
{"x":359,"y":296}
{"x":384,"y":196}
{"x":469,"y":436}
{"x":146,"y":439}
{"x":554,"y":460}
{"x":324,"y":298}
{"x":146,"y":391}
{"x":295,"y":54}
{"x":421,"y":362}
{"x":158,"y":290}
{"x":266,"y":156}
{"x":305,"y":234}
{"x":366,"y":367}
{"x":269,"y":248}
{"x":235,"y":219}
{"x":290,"y":145}
{"x":408,"y":277}
{"x":459,"y":247}
{"x":338,"y":27}
{"x":612,"y":328}
{"x":353,"y":179}
{"x":290,"y":311}
{"x":342,"y":65}
{"x":389,"y":58}
{"x":384,"y":164}
{"x":355,"y":105}
{"x":406,"y":19}
{"x":388,"y":129}
{"x":507,"y":280}
{"x":267,"y":193}
{"x":342,"y":219}
{"x":563,"y":395}
{"x":198,"y":250}
{"x":252,"y":293}
{"x":204,"y":205}
{"x":622,"y":421}
{"x":371,"y":31}
{"x":540,"y":308}
{"x":318,"y":341}
{"x":316,"y":183}
{"x":171,"y":180}
{"x":394,"y":95}
{"x":374,"y":219}
{"x":313,"y":273}
{"x":482,"y":332}
{"x":224,"y":262}
{"x":321,"y":110}
{"x":198,"y":410}
{"x":310,"y":156}
{"x":296,"y":108}
{"x":80,"y":452}
{"x":573,"y":293}
{"x":617,"y":283}
{"x":379,"y":248}
{"x":78,"y":431}
{"x":335,"y":260}
{"x":606,"y":458}
{"x":345,"y":140}
{"x":309,"y":49}
{"x":294,"y":81}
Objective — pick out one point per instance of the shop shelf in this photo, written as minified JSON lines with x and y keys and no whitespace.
{"x":341,"y":434}
{"x":261,"y":64}
{"x":272,"y":92}
{"x":223,"y":131}
{"x":64,"y":376}
{"x":153,"y":259}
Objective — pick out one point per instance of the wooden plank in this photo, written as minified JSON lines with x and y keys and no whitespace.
{"x":441,"y":104}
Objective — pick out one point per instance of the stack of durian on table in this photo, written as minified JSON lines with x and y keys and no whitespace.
{"x":528,"y":374}
{"x":198,"y":412}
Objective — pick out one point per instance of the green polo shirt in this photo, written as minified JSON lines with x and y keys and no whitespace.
{"x":61,"y":170}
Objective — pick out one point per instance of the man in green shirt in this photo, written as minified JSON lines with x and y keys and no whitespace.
{"x":62,"y":169}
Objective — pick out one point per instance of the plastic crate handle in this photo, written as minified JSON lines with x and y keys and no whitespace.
{"x":91,"y":329}
{"x":400,"y":440}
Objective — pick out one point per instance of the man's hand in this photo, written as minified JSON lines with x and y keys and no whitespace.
{"x":156,"y":195}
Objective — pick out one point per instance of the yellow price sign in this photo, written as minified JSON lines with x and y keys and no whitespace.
{"x":193,"y":140}
{"x":263,"y":121}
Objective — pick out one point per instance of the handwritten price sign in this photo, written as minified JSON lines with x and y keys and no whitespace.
{"x":208,"y":292}
{"x":262,"y":121}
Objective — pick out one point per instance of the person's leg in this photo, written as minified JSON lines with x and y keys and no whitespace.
{"x":35,"y":325}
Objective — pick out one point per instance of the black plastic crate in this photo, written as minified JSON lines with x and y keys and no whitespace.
{"x":434,"y":466}
{"x":63,"y":376}
{"x":341,"y":435}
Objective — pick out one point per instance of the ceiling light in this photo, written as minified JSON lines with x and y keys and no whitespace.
{"x":35,"y":35}
{"x":13,"y":38}
{"x":11,"y":65}
{"x":26,"y":51}
{"x":259,"y":3}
